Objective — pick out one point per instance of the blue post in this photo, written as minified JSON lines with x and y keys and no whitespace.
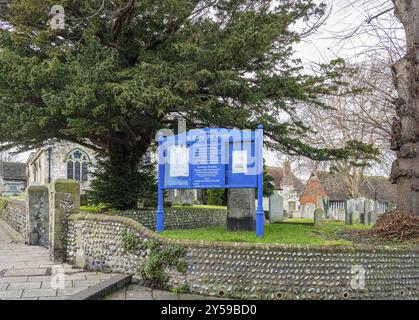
{"x":160,"y":208}
{"x":260,"y":215}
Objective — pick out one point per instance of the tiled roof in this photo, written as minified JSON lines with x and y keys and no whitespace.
{"x":370,"y":187}
{"x":13,"y":170}
{"x":283,"y":177}
{"x":312,"y":190}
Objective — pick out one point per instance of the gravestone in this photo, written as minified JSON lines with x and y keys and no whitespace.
{"x":319,"y":216}
{"x":37,"y":210}
{"x":341,"y":214}
{"x":369,"y":207}
{"x":373,"y":217}
{"x":309,"y":210}
{"x":276,"y":208}
{"x":319,"y":202}
{"x":241,"y":214}
{"x":183,"y":196}
{"x":64,"y":200}
{"x":350,"y":208}
{"x":355,"y":217}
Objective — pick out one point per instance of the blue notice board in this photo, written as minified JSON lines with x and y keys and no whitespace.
{"x":211,"y":158}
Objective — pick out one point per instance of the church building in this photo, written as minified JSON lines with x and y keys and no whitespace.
{"x":59,"y":159}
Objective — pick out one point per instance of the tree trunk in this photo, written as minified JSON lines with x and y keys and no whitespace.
{"x":241,"y":214}
{"x":123,"y":171}
{"x":405,"y":137}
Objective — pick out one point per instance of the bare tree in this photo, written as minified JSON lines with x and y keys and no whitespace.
{"x":392,"y":33}
{"x":364,"y":116}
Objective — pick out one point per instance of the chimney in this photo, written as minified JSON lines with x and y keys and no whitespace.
{"x":287,"y":174}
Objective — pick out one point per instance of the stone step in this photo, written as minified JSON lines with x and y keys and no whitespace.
{"x":103,"y":288}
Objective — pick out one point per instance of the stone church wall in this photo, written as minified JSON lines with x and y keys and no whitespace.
{"x":248,"y":271}
{"x":59,"y":152}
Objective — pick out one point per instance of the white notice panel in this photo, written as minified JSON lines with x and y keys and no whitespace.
{"x":179,"y":161}
{"x":239,"y":164}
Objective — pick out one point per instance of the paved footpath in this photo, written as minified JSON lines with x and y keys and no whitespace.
{"x":27,"y":274}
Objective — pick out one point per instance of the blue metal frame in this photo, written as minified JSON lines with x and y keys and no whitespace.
{"x":260,"y":220}
{"x":260,"y":215}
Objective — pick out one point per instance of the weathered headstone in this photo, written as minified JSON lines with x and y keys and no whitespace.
{"x":319,"y":216}
{"x":369,"y":209}
{"x":183,"y":197}
{"x":309,"y":210}
{"x":319,"y":202}
{"x":64,"y":200}
{"x":372,"y":217}
{"x":350,"y":208}
{"x":276,"y":208}
{"x":341,"y":214}
{"x":37,"y":210}
{"x":355,"y":217}
{"x":241,"y":214}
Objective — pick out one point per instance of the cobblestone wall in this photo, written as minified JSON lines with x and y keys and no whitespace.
{"x":259,"y":271}
{"x":14,"y":213}
{"x":180,"y":218}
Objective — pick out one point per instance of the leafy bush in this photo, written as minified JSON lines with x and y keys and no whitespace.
{"x":161,"y":256}
{"x":84,"y":200}
{"x":130,"y":241}
{"x":126,"y":189}
{"x":216,"y":197}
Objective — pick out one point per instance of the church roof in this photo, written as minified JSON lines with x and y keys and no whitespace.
{"x":13,"y":170}
{"x":282,"y":176}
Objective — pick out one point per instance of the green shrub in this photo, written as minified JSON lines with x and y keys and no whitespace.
{"x":161,"y":256}
{"x":216,"y":197}
{"x":3,"y":203}
{"x":130,"y":241}
{"x":84,"y":200}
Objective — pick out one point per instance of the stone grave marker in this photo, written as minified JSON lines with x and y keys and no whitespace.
{"x":276,"y":208}
{"x":319,"y":216}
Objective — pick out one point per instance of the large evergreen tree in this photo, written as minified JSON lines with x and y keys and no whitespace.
{"x":122,"y":69}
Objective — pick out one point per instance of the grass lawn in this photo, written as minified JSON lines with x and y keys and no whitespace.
{"x":20,"y":197}
{"x":292,"y":231}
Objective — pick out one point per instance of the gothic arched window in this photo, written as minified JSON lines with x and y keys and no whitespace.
{"x":77,"y":165}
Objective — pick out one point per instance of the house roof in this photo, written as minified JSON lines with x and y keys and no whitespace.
{"x":282,"y":176}
{"x":13,"y":170}
{"x":370,"y":187}
{"x":312,"y":190}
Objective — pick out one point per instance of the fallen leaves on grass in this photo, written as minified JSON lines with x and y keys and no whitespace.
{"x":396,"y":225}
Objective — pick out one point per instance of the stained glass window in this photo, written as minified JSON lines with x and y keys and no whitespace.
{"x":77,"y":170}
{"x":70,"y":170}
{"x":77,"y":165}
{"x":84,"y":171}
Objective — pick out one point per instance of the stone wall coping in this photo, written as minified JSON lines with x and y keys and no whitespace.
{"x":238,"y":245}
{"x":170,"y":209}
